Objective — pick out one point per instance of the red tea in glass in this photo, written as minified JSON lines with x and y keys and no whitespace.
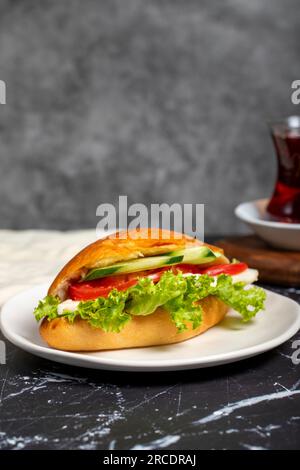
{"x":285,"y":203}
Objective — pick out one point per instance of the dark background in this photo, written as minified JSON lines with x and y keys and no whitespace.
{"x":161,"y":100}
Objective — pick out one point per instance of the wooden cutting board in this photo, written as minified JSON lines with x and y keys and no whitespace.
{"x":275,"y":266}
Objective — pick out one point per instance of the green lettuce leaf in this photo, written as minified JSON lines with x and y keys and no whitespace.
{"x":106,"y":313}
{"x":145,"y":297}
{"x":185,"y":307}
{"x":246,"y":300}
{"x":178,"y":294}
{"x":47,"y":308}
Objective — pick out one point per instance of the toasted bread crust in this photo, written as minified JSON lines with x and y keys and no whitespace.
{"x":124,"y":246}
{"x":140,"y":331}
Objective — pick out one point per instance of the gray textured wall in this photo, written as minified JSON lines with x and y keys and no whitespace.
{"x":162,"y":100}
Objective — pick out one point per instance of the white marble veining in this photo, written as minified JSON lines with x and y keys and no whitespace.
{"x":161,"y":443}
{"x":245,"y":403}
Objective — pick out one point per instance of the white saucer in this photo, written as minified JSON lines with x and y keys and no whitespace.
{"x":278,"y":234}
{"x":230,"y":341}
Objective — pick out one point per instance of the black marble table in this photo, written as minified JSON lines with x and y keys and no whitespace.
{"x":252,"y":404}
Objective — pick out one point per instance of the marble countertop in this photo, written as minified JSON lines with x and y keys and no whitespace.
{"x":253,"y":404}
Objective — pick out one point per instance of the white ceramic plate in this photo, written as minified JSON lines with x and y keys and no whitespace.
{"x":231,"y":340}
{"x":278,"y":234}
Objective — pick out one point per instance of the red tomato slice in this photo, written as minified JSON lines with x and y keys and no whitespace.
{"x":234,"y":268}
{"x":90,"y":290}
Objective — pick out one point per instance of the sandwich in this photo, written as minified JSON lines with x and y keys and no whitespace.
{"x":144,"y":287}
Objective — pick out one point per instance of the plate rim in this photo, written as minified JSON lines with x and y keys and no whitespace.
{"x":87,"y":361}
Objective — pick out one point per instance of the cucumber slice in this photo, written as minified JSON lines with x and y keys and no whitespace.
{"x":195,"y":255}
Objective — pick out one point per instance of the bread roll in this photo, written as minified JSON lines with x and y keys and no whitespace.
{"x":154,"y":329}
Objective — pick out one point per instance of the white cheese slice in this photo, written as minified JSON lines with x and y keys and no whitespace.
{"x":69,"y":305}
{"x":248,"y":276}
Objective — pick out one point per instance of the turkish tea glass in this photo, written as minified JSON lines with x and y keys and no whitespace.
{"x":284,"y":205}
